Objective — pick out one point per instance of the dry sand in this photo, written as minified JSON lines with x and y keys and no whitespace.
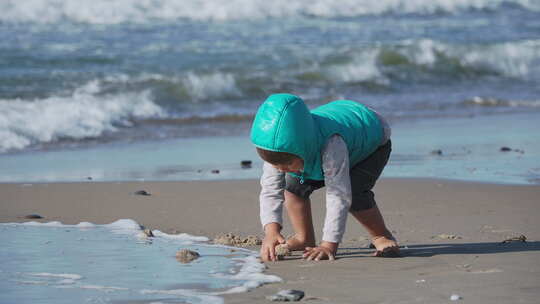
{"x":452,"y":233}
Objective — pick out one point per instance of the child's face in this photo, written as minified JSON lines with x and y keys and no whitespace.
{"x":296,"y":165}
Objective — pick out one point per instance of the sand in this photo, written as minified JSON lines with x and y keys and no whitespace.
{"x":452,"y":233}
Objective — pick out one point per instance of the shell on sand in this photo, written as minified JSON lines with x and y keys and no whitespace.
{"x":185,"y":256}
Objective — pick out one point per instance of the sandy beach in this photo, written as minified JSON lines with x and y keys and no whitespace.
{"x":451,"y":233}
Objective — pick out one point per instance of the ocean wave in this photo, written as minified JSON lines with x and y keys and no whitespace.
{"x":495,"y":102}
{"x":84,"y":114}
{"x":413,"y":58}
{"x":143,"y":11}
{"x":191,"y":86}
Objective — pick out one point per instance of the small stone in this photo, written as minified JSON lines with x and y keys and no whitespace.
{"x":455,"y":297}
{"x":215,"y":171}
{"x":282,"y":250}
{"x":505,"y":149}
{"x":33,"y":216}
{"x":522,"y":238}
{"x":143,"y":192}
{"x":148,"y":233}
{"x":437,"y":152}
{"x":287,"y":295}
{"x":245,"y":164}
{"x":185,"y":256}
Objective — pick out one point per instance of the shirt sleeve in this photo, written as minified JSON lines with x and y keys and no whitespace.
{"x":271,"y":196}
{"x":335,"y":164}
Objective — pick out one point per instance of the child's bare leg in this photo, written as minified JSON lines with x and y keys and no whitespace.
{"x":299,"y":211}
{"x":373,"y":221}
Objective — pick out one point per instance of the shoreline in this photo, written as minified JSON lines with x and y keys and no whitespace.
{"x":460,"y":148}
{"x":450,"y":232}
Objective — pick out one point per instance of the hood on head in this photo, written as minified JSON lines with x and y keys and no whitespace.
{"x":284,"y":124}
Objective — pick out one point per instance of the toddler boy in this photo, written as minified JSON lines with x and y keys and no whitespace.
{"x":342,"y":145}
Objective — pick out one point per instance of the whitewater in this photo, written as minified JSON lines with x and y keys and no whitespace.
{"x":139,"y":11}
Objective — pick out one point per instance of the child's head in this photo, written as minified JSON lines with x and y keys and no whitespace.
{"x":283,"y":161}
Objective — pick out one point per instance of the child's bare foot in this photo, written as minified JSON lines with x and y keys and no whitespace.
{"x":295,"y":244}
{"x":386,"y":247}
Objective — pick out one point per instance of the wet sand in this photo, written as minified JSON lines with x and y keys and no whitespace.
{"x":451,"y":232}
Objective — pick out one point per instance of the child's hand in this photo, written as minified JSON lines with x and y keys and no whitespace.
{"x":325,"y":251}
{"x":272,"y":238}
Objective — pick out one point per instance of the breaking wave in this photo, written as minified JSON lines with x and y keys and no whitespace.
{"x":191,"y":86}
{"x":83,"y":114}
{"x":410,"y":59}
{"x":142,"y":11}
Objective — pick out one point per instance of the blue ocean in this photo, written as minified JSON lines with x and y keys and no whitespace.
{"x":148,"y":90}
{"x":167,"y":90}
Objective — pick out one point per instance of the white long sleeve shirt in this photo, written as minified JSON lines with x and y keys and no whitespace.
{"x":335,"y":165}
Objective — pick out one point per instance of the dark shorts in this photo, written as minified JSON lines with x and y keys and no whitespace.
{"x":364,"y":175}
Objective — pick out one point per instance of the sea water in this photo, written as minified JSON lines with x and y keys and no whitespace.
{"x":79,"y":74}
{"x":470,"y":149}
{"x":115,"y":263}
{"x":166,"y":90}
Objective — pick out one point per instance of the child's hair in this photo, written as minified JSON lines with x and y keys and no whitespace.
{"x":276,"y":158}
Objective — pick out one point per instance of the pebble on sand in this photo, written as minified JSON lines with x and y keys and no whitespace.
{"x":143,"y":192}
{"x":287,"y":295}
{"x":185,"y":256}
{"x":148,"y":232}
{"x":245,"y":164}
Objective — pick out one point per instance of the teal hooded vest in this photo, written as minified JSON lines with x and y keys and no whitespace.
{"x":284,"y":124}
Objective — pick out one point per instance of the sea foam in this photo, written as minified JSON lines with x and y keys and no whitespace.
{"x":246,"y":272}
{"x":86,"y":113}
{"x":142,"y":11}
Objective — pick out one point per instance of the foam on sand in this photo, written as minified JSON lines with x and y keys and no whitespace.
{"x":252,"y":273}
{"x":109,"y":259}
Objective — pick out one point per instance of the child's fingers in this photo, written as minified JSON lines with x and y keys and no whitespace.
{"x":331,"y":257}
{"x":267,"y":254}
{"x":312,"y":255}
{"x":272,"y":253}
{"x":264,"y":254}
